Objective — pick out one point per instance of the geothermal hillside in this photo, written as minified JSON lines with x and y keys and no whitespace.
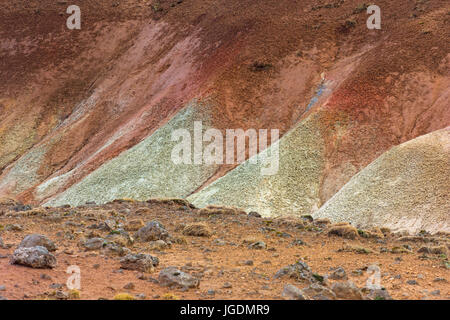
{"x":88,"y":115}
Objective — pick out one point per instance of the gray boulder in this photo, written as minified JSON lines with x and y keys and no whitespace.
{"x":347,"y":291}
{"x":319,"y":292}
{"x":291,"y":292}
{"x":171,"y":276}
{"x":35,"y":257}
{"x":94,"y":244}
{"x":34,"y":240}
{"x":140,"y":262}
{"x":152,"y":231}
{"x":299,"y":271}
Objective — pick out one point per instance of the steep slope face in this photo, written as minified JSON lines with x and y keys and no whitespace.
{"x":407,"y":188}
{"x":93,"y":94}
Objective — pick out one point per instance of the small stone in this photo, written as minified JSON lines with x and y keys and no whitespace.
{"x":56,"y":286}
{"x":2,"y":288}
{"x":343,"y":230}
{"x":197,"y":230}
{"x":412,"y":282}
{"x":378,"y":294}
{"x":259,"y":245}
{"x":158,"y":245}
{"x":61,"y":295}
{"x":338,"y":274}
{"x":141,"y":296}
{"x":129,"y":286}
{"x":319,"y":292}
{"x":94,"y":244}
{"x":245,"y":263}
{"x":291,"y":292}
{"x":435,"y":293}
{"x":140,"y":262}
{"x":347,"y":290}
{"x":171,"y":276}
{"x":44,"y":276}
{"x":13,"y":227}
{"x":254,"y":214}
{"x":227,"y":285}
{"x":134,"y":225}
{"x":152,"y":231}
{"x":210,"y":292}
{"x":299,"y":271}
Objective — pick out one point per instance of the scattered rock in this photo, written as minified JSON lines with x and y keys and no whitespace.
{"x":44,"y":276}
{"x":343,"y":230}
{"x":140,"y":262}
{"x":61,"y":295}
{"x":158,"y":245}
{"x":435,"y":293}
{"x":254,"y":214}
{"x":434,"y":250}
{"x":171,"y":276}
{"x":299,"y":271}
{"x":412,"y":282}
{"x":34,"y":240}
{"x":94,"y":244}
{"x":13,"y":227}
{"x":197,"y":230}
{"x":400,"y":250}
{"x":35,"y":257}
{"x":134,"y":225}
{"x":291,"y":292}
{"x":347,"y":291}
{"x":378,"y":294}
{"x":298,"y":242}
{"x":152,"y":231}
{"x":245,"y":263}
{"x":319,"y":292}
{"x":129,"y":286}
{"x":113,"y":249}
{"x":338,"y":274}
{"x":259,"y":245}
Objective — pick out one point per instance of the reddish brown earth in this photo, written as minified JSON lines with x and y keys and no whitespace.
{"x":205,"y":258}
{"x":71,"y":100}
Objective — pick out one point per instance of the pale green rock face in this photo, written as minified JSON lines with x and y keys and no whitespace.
{"x":146,"y":170}
{"x":293,"y":190}
{"x":405,"y":189}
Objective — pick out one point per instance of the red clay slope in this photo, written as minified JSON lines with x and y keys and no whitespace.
{"x":71,"y":100}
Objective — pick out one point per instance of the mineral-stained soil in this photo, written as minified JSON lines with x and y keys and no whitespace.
{"x":234,"y":255}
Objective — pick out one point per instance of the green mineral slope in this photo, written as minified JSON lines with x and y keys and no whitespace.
{"x":146,"y":170}
{"x":294,"y":189}
{"x":406,"y":188}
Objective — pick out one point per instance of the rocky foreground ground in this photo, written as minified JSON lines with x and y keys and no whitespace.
{"x":167,"y":249}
